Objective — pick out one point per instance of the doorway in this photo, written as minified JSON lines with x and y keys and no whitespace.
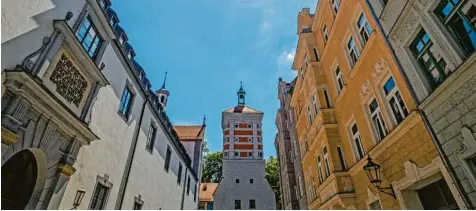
{"x":19,"y":175}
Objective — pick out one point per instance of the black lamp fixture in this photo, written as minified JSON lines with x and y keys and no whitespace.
{"x":78,"y":198}
{"x":373,"y":172}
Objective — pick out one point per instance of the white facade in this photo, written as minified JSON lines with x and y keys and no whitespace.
{"x":114,"y":154}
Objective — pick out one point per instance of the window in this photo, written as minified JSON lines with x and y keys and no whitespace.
{"x":364,"y":28}
{"x":437,"y":196}
{"x":129,"y":55}
{"x":375,"y":205}
{"x":249,"y":125}
{"x":236,"y":139}
{"x":167,"y":159}
{"x":309,"y":115}
{"x":250,"y":154}
{"x":305,"y":62}
{"x":237,"y":181}
{"x":237,"y":204}
{"x":195,"y":193}
{"x":126,"y":102}
{"x":459,"y":19}
{"x":252,"y":204}
{"x":430,"y":59}
{"x":236,"y":154}
{"x":339,"y":80}
{"x":326,"y":161}
{"x":210,"y":206}
{"x":341,"y":158}
{"x":377,"y":120}
{"x":137,"y":206}
{"x":316,"y":54}
{"x":326,"y":97}
{"x":251,"y":181}
{"x":353,"y":51}
{"x":314,"y":102}
{"x":100,"y":194}
{"x":188,"y":185}
{"x":89,"y":38}
{"x":236,"y":125}
{"x":201,"y":206}
{"x":395,"y":100}
{"x":179,"y":174}
{"x":151,"y":137}
{"x":302,"y":73}
{"x":319,"y":169}
{"x":113,"y":22}
{"x":103,"y":4}
{"x":300,"y":185}
{"x":250,"y":139}
{"x":226,"y":154}
{"x":357,"y":142}
{"x":325,"y":34}
{"x":260,"y":154}
{"x":335,"y":5}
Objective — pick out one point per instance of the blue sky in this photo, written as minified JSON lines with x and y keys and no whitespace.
{"x":208,"y":47}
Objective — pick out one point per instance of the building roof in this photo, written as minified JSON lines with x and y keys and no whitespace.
{"x":206,"y":191}
{"x":189,"y":132}
{"x":242,"y":109}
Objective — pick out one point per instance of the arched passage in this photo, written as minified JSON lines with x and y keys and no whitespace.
{"x":19,"y":178}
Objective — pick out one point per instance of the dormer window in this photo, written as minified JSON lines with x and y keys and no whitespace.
{"x":162,"y":99}
{"x":121,"y":39}
{"x":103,"y":4}
{"x":113,"y":22}
{"x":129,"y":55}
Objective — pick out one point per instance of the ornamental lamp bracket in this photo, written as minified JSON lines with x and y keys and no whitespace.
{"x":373,"y":173}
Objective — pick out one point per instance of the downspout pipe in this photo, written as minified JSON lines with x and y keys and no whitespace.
{"x":183,"y":190}
{"x":432,"y":133}
{"x":130,"y":158}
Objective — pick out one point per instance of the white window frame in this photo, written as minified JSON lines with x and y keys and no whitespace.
{"x":393,"y":95}
{"x":314,"y":102}
{"x":319,"y":169}
{"x":339,"y":78}
{"x":355,"y":137}
{"x":309,"y":114}
{"x":335,"y":4}
{"x":378,"y":114}
{"x":325,"y":34}
{"x":325,"y":154}
{"x":363,"y":29}
{"x":353,"y":51}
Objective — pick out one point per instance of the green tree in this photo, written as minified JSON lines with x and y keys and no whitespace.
{"x":212,"y":167}
{"x":272,"y":175}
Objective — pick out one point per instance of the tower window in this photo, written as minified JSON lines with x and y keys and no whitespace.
{"x":251,"y":181}
{"x":250,"y":154}
{"x":236,"y":125}
{"x":236,"y":154}
{"x":237,"y":204}
{"x":252,"y":204}
{"x":162,"y":99}
{"x":237,"y":181}
{"x":249,"y":125}
{"x":250,"y":139}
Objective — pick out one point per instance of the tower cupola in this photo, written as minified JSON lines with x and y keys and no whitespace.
{"x":163,"y":93}
{"x":241,"y":95}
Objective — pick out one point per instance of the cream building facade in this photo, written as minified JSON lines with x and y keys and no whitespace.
{"x":78,"y":112}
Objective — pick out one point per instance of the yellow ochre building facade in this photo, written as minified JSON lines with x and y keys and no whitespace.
{"x":351,"y":104}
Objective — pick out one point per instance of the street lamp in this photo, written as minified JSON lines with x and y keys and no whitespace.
{"x":373,"y":173}
{"x":78,"y":198}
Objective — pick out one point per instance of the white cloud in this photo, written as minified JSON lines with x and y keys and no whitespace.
{"x":286,"y":59}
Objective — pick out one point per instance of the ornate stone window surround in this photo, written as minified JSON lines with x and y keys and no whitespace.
{"x":105,"y":182}
{"x":467,"y":151}
{"x":416,"y":178}
{"x":355,"y":152}
{"x":388,"y":111}
{"x":368,"y":117}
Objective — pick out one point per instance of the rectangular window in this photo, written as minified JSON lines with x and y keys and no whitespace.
{"x":430,"y":59}
{"x":459,"y":19}
{"x":309,"y":115}
{"x":98,"y":201}
{"x":375,"y":205}
{"x":316,"y":54}
{"x":300,"y":185}
{"x":357,"y":142}
{"x":179,"y":176}
{"x":364,"y":28}
{"x":437,"y":196}
{"x":252,"y":204}
{"x":89,"y":38}
{"x":353,"y":51}
{"x":210,"y":206}
{"x":237,"y":204}
{"x":250,"y":154}
{"x":251,"y":181}
{"x":188,"y":185}
{"x":167,"y":159}
{"x":151,"y":137}
{"x":319,"y":169}
{"x":326,"y":161}
{"x":326,"y":97}
{"x":314,"y":102}
{"x":377,"y":120}
{"x":236,"y":154}
{"x":335,"y":5}
{"x":339,"y":80}
{"x":340,"y":152}
{"x":395,"y":100}
{"x":237,"y":181}
{"x":201,"y":206}
{"x":325,"y":34}
{"x":195,"y":193}
{"x":103,"y":4}
{"x":126,"y":102}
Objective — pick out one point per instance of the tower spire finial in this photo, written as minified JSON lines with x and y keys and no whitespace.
{"x":241,"y":95}
{"x":204,"y":119}
{"x":165,"y":79}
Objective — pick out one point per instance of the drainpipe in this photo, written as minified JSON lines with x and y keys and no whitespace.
{"x":432,"y":133}
{"x":130,"y":158}
{"x":183,"y":189}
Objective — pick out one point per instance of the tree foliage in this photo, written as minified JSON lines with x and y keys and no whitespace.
{"x":272,"y":175}
{"x":212,"y":167}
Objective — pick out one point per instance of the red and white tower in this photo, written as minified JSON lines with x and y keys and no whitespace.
{"x":242,"y":136}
